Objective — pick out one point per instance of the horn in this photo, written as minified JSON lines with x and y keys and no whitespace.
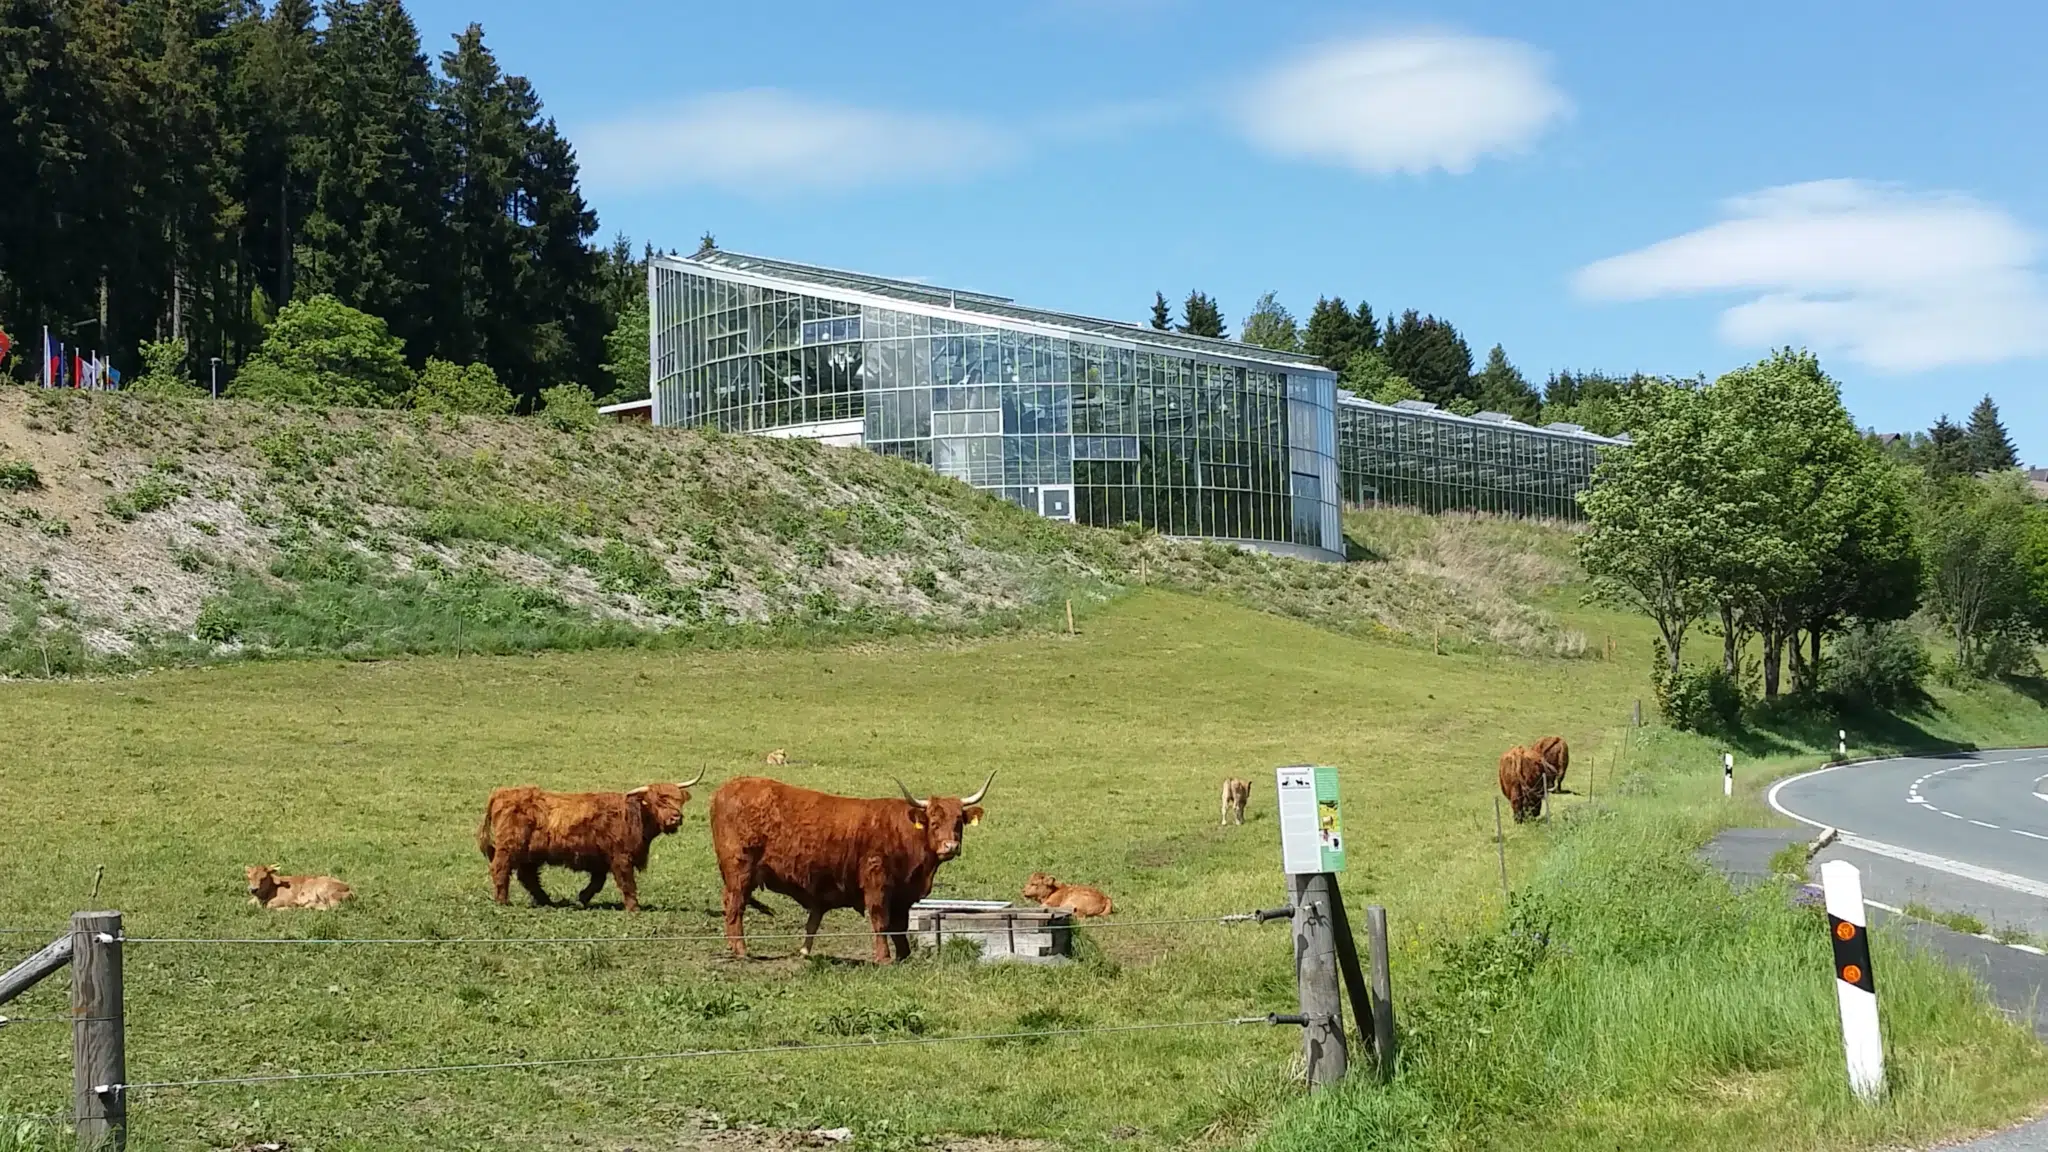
{"x":693,"y":782}
{"x":976,"y":798}
{"x":640,"y":791}
{"x":914,"y":801}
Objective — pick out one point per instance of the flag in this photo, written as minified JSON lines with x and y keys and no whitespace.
{"x":6,"y":344}
{"x":49,"y":358}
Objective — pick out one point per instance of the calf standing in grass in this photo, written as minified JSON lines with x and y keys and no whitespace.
{"x":1236,"y":793}
{"x":1079,"y":899}
{"x":825,"y":852}
{"x":270,"y":890}
{"x":592,"y":832}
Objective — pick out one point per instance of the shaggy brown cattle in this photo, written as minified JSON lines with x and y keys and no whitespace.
{"x":1236,"y":793}
{"x":1521,"y":781}
{"x":269,"y":889}
{"x":1556,"y":756}
{"x":1079,"y":899}
{"x":593,"y":832}
{"x":827,"y":852}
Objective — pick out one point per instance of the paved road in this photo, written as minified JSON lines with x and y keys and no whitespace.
{"x":1962,"y":832}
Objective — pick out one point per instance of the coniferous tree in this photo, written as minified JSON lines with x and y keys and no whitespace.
{"x":1200,"y":316}
{"x":1333,"y":333}
{"x":1947,"y":452}
{"x":1989,"y":447}
{"x":1501,"y":388}
{"x":1431,"y":354}
{"x":1162,"y":314}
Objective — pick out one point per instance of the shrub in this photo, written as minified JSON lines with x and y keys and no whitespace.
{"x":1881,"y":664}
{"x":323,"y":352}
{"x":1697,"y":699}
{"x":217,"y":623}
{"x":568,"y":407}
{"x":163,"y":370}
{"x":466,"y":388}
{"x":19,"y":476}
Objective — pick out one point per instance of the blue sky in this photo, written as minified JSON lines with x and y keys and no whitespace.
{"x":1620,"y":186}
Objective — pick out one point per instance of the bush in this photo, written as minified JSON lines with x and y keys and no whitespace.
{"x":568,"y":407}
{"x":1697,"y":699}
{"x":323,"y":352}
{"x":19,"y":476}
{"x":465,"y":388}
{"x":163,"y":370}
{"x":1879,"y":664}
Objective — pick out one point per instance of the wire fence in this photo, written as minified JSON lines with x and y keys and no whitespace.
{"x":687,"y":1054}
{"x":11,"y":1021}
{"x":655,"y":938}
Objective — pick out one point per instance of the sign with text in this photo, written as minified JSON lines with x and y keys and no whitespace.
{"x":1311,"y":829}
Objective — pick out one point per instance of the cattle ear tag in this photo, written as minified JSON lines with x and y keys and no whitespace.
{"x":974,"y":820}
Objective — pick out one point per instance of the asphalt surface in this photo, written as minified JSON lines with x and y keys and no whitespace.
{"x":1963,"y":832}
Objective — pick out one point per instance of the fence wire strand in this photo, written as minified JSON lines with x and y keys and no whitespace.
{"x":689,"y":1054}
{"x":981,"y":928}
{"x":10,"y":1021}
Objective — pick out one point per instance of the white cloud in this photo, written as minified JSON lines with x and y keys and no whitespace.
{"x":1896,"y":281}
{"x":766,"y":141}
{"x":1404,"y":103}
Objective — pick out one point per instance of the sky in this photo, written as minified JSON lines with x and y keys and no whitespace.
{"x":1673,"y":189}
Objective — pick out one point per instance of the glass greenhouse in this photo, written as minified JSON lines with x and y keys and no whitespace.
{"x":1071,"y":417}
{"x":1417,"y":455}
{"x":1077,"y":418}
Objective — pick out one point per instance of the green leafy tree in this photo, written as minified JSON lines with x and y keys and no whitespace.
{"x":1657,"y":517}
{"x":323,"y":352}
{"x":569,"y":407}
{"x":163,"y":372}
{"x":1162,"y":313}
{"x":1270,"y":325}
{"x":1432,"y":354}
{"x":1369,"y":376}
{"x":1592,"y":400}
{"x":1976,"y":537}
{"x":1501,"y":388}
{"x":626,"y":354}
{"x":1987,"y":445}
{"x":461,"y":388}
{"x":1200,"y":316}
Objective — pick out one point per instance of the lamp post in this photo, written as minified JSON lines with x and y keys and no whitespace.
{"x":214,"y":368}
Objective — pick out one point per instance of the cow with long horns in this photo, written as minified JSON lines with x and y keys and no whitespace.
{"x":825,"y":852}
{"x":592,"y":832}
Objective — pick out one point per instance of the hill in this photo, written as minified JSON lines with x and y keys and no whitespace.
{"x":142,"y":530}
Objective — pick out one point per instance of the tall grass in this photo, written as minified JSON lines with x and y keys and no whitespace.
{"x":1631,"y":993}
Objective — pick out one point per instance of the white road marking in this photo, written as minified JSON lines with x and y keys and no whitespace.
{"x":1950,"y":815}
{"x":1981,"y":824}
{"x":2028,"y":948}
{"x":2030,"y":835}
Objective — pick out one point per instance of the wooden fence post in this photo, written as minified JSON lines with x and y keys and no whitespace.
{"x":1362,"y":1013}
{"x":1500,"y":842}
{"x":99,"y":1049}
{"x":1315,"y":978}
{"x":1382,"y":990}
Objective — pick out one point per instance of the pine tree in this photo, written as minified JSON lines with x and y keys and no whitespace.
{"x":1431,"y":355}
{"x":1162,"y":315}
{"x":1200,"y":316}
{"x":1947,"y":450}
{"x":1500,"y":388}
{"x":1332,"y":335}
{"x":1989,"y":448}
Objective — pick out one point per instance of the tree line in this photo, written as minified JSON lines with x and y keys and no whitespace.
{"x":185,"y":173}
{"x":1753,"y":508}
{"x":1410,"y":356}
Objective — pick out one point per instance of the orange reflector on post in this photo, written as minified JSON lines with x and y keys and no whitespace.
{"x":1845,"y":931}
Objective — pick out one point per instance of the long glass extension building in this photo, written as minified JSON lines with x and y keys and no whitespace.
{"x":1077,"y":418}
{"x":1071,"y":417}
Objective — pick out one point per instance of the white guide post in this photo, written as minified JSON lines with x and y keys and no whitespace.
{"x":1842,"y":743}
{"x":1855,"y":987}
{"x":1727,"y":773}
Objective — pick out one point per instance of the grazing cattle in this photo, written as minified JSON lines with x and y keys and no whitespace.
{"x":1521,"y":781}
{"x":270,"y":890}
{"x":592,"y":832}
{"x":1079,"y":899}
{"x":825,"y":852}
{"x":1556,"y":756}
{"x":1236,"y":793}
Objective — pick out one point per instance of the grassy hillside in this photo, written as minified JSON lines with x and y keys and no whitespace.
{"x":140,"y":531}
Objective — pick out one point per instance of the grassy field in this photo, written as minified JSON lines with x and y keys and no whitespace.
{"x":1108,"y":747}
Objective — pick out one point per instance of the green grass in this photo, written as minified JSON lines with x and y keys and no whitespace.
{"x":1624,"y":1030}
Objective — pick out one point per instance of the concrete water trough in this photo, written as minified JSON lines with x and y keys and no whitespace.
{"x":1003,"y":931}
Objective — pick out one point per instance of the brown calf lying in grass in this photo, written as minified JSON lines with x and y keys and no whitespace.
{"x":1079,"y":899}
{"x":269,"y":889}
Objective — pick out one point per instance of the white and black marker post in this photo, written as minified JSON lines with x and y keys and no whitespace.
{"x":1727,"y":773}
{"x":1855,"y":988}
{"x":1842,"y":743}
